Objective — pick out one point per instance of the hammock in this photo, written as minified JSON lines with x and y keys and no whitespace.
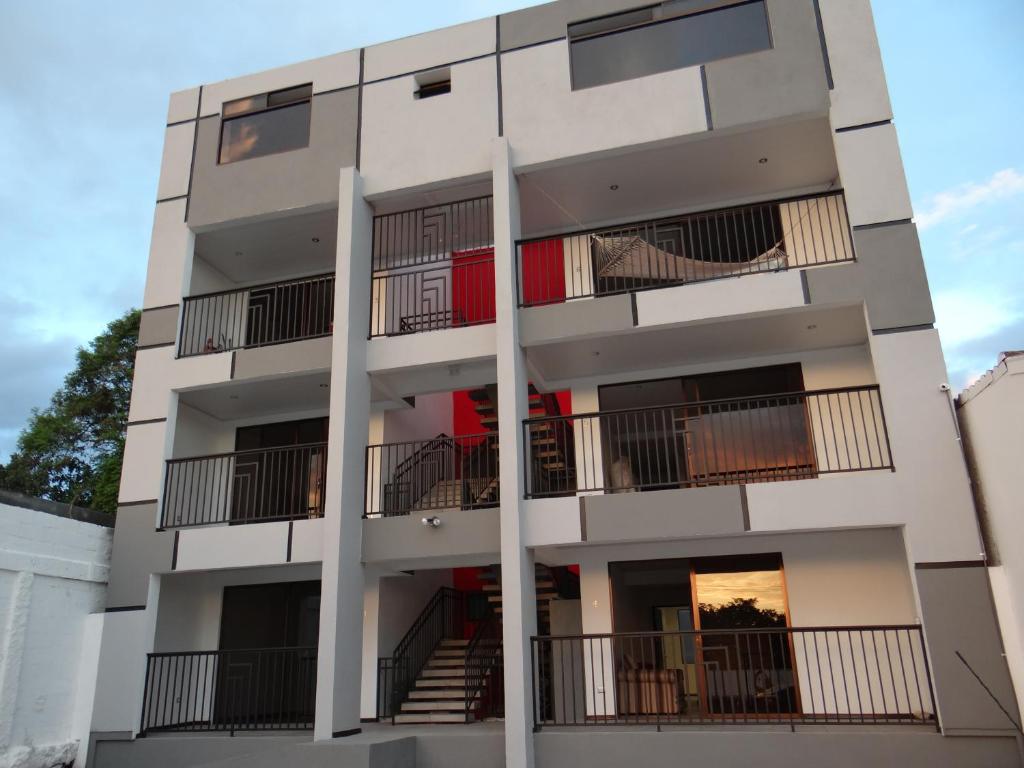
{"x":635,"y":258}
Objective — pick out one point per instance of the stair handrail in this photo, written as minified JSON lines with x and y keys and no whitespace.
{"x":435,"y":622}
{"x":405,"y":471}
{"x":480,"y":660}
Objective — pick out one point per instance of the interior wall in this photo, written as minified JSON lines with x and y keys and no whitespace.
{"x":402,"y":599}
{"x":431,"y":416}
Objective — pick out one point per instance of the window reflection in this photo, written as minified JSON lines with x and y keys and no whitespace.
{"x":265,"y":124}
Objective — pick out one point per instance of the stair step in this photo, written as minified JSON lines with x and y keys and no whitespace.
{"x":436,"y":683}
{"x":425,"y":717}
{"x":459,"y":643}
{"x":449,"y":653}
{"x":439,"y":695}
{"x":434,"y":706}
{"x":444,"y":672}
{"x":445,"y":664}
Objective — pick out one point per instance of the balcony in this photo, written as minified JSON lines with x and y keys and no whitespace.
{"x":236,"y":690}
{"x":443,"y":473}
{"x":433,"y":268}
{"x":767,"y":438}
{"x":860,"y":675}
{"x":794,"y":233}
{"x":257,"y":316}
{"x":253,"y":486}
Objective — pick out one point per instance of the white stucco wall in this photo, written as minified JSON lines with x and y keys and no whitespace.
{"x":991,"y":415}
{"x":53,"y":574}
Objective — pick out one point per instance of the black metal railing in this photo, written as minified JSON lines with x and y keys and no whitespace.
{"x":443,"y":618}
{"x":453,"y":294}
{"x":441,"y":473}
{"x":243,"y":690}
{"x":713,"y":442}
{"x":485,"y":682}
{"x":257,"y":316}
{"x":433,"y":268}
{"x":245,"y":486}
{"x":762,"y":237}
{"x":871,"y":675}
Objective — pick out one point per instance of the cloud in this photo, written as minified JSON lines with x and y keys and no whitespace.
{"x":954,"y":202}
{"x":971,"y":359}
{"x":966,"y":315}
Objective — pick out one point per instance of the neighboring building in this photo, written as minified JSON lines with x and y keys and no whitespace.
{"x":658,"y":259}
{"x":991,"y":414}
{"x":54,"y":560}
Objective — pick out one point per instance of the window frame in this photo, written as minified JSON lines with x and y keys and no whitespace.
{"x":259,"y":110}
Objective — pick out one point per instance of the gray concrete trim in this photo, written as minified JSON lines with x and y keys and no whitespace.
{"x":950,"y":564}
{"x":140,"y":422}
{"x":182,"y":122}
{"x":902,"y":329}
{"x":497,"y":63}
{"x":707,"y":96}
{"x":634,"y":310}
{"x":174,"y":552}
{"x":824,"y":46}
{"x":195,"y":143}
{"x":231,"y":372}
{"x":863,"y":126}
{"x":56,"y":508}
{"x":155,"y":346}
{"x":745,"y":507}
{"x":583,"y":518}
{"x":349,"y":732}
{"x":805,"y":286}
{"x":137,"y":503}
{"x":359,"y":122}
{"x":329,"y":91}
{"x":162,"y":306}
{"x":288,"y":546}
{"x":123,"y":608}
{"x":170,"y":199}
{"x":880,"y":224}
{"x":558,"y":39}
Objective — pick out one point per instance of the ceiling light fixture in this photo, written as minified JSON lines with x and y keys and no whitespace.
{"x":324,"y":386}
{"x":762,"y":161}
{"x":812,"y":327}
{"x":316,"y":239}
{"x":613,"y":187}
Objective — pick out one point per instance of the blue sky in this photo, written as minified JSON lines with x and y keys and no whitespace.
{"x":84,"y":95}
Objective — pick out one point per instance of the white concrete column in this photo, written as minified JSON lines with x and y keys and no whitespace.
{"x":596,"y":615}
{"x":518,"y":587}
{"x":371,"y":644}
{"x":12,"y":648}
{"x":339,"y":671}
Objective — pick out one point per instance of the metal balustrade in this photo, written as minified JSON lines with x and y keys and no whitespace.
{"x":238,"y":690}
{"x":714,"y":442}
{"x":424,"y":475}
{"x":750,"y":239}
{"x":252,"y":486}
{"x":433,"y":268}
{"x":860,"y":675}
{"x":257,"y":316}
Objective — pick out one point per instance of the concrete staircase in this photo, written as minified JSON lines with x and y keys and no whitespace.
{"x":439,"y":695}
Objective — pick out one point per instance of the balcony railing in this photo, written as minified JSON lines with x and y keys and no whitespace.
{"x":750,"y":239}
{"x":429,"y":475}
{"x":246,"y":690}
{"x":257,"y":316}
{"x":433,"y":268}
{"x":254,"y":486}
{"x":864,"y":675}
{"x":714,"y":442}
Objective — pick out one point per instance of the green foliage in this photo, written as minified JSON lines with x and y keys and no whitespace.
{"x":739,"y":613}
{"x":71,"y":451}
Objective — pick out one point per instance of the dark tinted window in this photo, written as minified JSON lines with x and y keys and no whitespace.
{"x":265,"y":124}
{"x":660,"y":46}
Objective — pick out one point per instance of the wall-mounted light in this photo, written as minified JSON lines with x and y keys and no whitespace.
{"x":316,"y":239}
{"x":762,"y":161}
{"x":613,"y":187}
{"x":432,"y":522}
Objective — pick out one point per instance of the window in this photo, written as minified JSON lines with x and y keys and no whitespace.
{"x":664,"y":37}
{"x":433,"y":83}
{"x":265,"y":124}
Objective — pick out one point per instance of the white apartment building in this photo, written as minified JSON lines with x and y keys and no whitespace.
{"x":659,"y":259}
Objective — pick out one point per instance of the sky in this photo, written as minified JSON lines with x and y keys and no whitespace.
{"x":83,"y":102}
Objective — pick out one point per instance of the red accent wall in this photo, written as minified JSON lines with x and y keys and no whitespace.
{"x":543,"y":270}
{"x":473,"y":286}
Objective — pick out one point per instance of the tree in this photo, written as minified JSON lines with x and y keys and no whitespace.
{"x":739,"y":613}
{"x":71,"y":451}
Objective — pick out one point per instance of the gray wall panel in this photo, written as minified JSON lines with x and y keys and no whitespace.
{"x":959,"y":616}
{"x":276,"y":359}
{"x":462,"y":532}
{"x":556,"y":322}
{"x":889,"y":275}
{"x":787,"y":80}
{"x":550,"y":21}
{"x":139,"y":550}
{"x":302,"y":178}
{"x":158,"y":326}
{"x":665,"y":514}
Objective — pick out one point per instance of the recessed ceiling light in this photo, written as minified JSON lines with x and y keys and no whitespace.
{"x":762,"y":161}
{"x":811,"y":327}
{"x":324,"y":386}
{"x":238,"y":253}
{"x":316,"y":239}
{"x":613,"y":187}
{"x":232,"y":397}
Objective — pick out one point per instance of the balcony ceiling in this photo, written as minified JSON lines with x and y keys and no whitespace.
{"x":715,"y":170}
{"x":272,"y":249}
{"x":262,"y":397}
{"x":641,"y":352}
